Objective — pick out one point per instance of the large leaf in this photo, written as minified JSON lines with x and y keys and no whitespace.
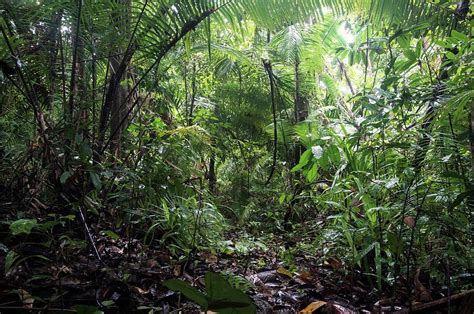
{"x":189,"y":292}
{"x":224,"y":298}
{"x":304,"y":159}
{"x":10,"y":259}
{"x":312,"y":173}
{"x":87,"y":309}
{"x":95,"y":180}
{"x":23,"y":226}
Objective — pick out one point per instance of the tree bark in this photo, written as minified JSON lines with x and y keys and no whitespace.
{"x":212,"y":173}
{"x":116,"y":104}
{"x":52,"y":44}
{"x":471,"y":137}
{"x":301,"y":104}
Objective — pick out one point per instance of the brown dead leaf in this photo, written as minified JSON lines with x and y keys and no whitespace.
{"x":410,"y":221}
{"x":138,"y":290}
{"x":306,"y":276}
{"x":26,"y":298}
{"x":151,"y":263}
{"x":334,"y":262}
{"x":339,"y":309}
{"x":211,"y":259}
{"x":312,"y":307}
{"x":177,"y":270}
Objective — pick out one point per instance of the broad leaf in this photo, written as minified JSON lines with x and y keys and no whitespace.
{"x":189,"y":292}
{"x":312,"y":173}
{"x":66,"y":175}
{"x":304,"y":159}
{"x":23,"y":226}
{"x":10,"y":259}
{"x":87,"y":309}
{"x":95,"y":180}
{"x":224,"y":298}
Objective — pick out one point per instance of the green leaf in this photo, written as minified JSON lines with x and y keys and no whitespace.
{"x":364,"y":252}
{"x":110,"y":234}
{"x":87,"y":309}
{"x":23,"y":226}
{"x":189,"y":292}
{"x":224,"y":298}
{"x":95,"y":180}
{"x":450,"y":55}
{"x":85,"y":151}
{"x":460,"y":198}
{"x":419,"y":48}
{"x":453,"y":174}
{"x":10,"y":259}
{"x":333,"y":153}
{"x":66,"y":175}
{"x":459,"y":36}
{"x":324,"y":161}
{"x":158,"y":124}
{"x":312,"y":173}
{"x":304,"y":159}
{"x":409,"y":54}
{"x":282,"y":198}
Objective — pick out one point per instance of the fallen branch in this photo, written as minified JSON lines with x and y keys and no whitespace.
{"x":464,"y":302}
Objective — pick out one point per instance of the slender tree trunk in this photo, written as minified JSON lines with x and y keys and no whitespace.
{"x":119,"y":109}
{"x":301,"y":109}
{"x":471,"y":138}
{"x":94,"y":89}
{"x":346,"y":76}
{"x":77,"y":71}
{"x":52,"y":44}
{"x":193,"y":96}
{"x":212,"y":173}
{"x":301,"y":104}
{"x":116,"y":104}
{"x":120,"y":104}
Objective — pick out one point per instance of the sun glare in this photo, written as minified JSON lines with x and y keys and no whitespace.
{"x":345,"y":32}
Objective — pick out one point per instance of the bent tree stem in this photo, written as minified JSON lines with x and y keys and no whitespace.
{"x":268,"y":68}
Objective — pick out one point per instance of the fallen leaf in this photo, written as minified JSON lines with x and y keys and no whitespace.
{"x":287,"y":297}
{"x":334,"y":263}
{"x":138,"y":290}
{"x":339,"y":309}
{"x":177,"y":270}
{"x":306,"y":276}
{"x":312,"y":307}
{"x":26,"y":298}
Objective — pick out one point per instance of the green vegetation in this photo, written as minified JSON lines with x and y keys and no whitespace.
{"x":330,"y":142}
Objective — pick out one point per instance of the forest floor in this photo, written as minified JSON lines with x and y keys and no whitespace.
{"x":129,"y":275}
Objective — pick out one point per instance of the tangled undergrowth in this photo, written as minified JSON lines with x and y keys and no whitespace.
{"x":234,"y":157}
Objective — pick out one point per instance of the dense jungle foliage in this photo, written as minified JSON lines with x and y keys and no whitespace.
{"x":236,"y":156}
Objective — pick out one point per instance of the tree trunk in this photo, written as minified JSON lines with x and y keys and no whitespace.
{"x":212,"y":173}
{"x":77,"y":74}
{"x":301,"y":103}
{"x":301,"y":109}
{"x":116,"y":104}
{"x":471,"y":137}
{"x":52,"y":44}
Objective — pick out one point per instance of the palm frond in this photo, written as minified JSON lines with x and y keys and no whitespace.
{"x":288,"y":44}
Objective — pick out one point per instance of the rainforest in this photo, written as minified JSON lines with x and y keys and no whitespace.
{"x":236,"y":156}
